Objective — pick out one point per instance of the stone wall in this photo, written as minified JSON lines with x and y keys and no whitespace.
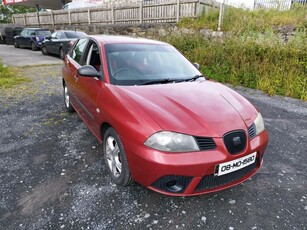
{"x":153,"y":31}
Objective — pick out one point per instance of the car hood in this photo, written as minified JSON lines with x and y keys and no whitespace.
{"x":202,"y":108}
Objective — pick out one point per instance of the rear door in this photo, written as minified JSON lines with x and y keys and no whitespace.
{"x":54,"y":43}
{"x":22,"y":37}
{"x":28,"y":38}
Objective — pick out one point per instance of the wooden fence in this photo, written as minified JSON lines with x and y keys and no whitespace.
{"x":138,"y":12}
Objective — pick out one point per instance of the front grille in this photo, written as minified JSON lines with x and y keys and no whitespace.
{"x":205,"y":143}
{"x":252,"y":131}
{"x":211,"y":181}
{"x":235,"y":141}
{"x":163,"y":183}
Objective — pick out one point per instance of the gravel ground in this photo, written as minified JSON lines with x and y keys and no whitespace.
{"x":52,"y":174}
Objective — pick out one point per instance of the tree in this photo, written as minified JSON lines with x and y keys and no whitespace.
{"x":6,"y":11}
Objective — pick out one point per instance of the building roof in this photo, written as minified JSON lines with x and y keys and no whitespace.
{"x":45,"y":4}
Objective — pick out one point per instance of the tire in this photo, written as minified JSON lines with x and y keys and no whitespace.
{"x":33,"y":46}
{"x":115,"y":158}
{"x":67,"y":103}
{"x":16,"y":45}
{"x":61,"y":53}
{"x":44,"y":50}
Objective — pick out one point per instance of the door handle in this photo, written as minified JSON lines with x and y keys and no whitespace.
{"x":76,"y":78}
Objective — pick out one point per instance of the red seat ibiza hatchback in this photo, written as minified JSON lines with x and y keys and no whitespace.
{"x":162,"y":124}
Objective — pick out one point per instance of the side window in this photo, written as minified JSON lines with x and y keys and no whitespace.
{"x":54,"y":35}
{"x":62,"y":35}
{"x":31,"y":32}
{"x":78,"y":50}
{"x":93,"y":57}
{"x":24,"y":32}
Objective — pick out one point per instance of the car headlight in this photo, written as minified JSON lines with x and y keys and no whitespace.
{"x":259,"y":124}
{"x":172,"y":142}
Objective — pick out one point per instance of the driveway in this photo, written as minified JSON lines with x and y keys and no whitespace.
{"x":23,"y":57}
{"x":52,"y":174}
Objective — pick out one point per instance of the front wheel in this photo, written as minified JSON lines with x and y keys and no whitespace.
{"x":62,"y":54}
{"x":115,"y":158}
{"x":44,"y":50}
{"x":68,"y":105}
{"x":16,"y":45}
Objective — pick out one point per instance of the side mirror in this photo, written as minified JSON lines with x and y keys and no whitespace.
{"x":88,"y":71}
{"x":196,"y":65}
{"x":49,"y":38}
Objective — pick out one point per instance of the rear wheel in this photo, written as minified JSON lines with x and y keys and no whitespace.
{"x":115,"y":158}
{"x":68,"y":105}
{"x":33,"y":46}
{"x":62,"y":54}
{"x":44,"y":50}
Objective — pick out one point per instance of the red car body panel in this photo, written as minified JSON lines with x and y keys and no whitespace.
{"x":204,"y":109}
{"x":189,"y":108}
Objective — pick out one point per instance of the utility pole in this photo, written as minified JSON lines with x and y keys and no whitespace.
{"x":221,"y":15}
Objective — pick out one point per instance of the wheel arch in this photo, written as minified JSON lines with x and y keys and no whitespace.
{"x":103,"y":128}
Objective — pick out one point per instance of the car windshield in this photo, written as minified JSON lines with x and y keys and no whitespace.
{"x":141,"y":64}
{"x":45,"y":33}
{"x":73,"y":34}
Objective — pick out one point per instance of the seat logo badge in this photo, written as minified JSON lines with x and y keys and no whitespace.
{"x":236,"y":141}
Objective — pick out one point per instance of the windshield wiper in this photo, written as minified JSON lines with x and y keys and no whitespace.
{"x":160,"y":81}
{"x":192,"y":78}
{"x":167,"y":80}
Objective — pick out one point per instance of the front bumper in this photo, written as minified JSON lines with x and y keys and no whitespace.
{"x":186,"y":174}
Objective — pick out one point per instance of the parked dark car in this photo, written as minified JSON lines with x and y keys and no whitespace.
{"x":31,"y":38}
{"x":60,"y":42}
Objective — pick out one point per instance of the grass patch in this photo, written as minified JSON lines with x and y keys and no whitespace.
{"x":9,"y":77}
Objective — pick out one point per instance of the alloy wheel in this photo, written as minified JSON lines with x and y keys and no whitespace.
{"x":66,"y":97}
{"x":113,"y":157}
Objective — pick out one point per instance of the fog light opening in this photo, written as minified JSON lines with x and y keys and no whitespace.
{"x":174,"y":186}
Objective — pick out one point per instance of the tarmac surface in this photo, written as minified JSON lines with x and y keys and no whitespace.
{"x":24,"y":57}
{"x":52,"y":174}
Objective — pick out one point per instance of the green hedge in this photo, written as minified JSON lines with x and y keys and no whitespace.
{"x":252,"y":54}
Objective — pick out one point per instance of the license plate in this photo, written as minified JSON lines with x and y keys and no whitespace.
{"x":231,"y":166}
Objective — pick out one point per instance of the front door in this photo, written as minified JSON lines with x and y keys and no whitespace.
{"x":72,"y":63}
{"x":89,"y":89}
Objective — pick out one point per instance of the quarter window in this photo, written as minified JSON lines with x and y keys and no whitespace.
{"x":93,"y":57}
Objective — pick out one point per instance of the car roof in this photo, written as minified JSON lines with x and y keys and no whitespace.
{"x":113,"y":39}
{"x":74,"y":31}
{"x":28,"y":28}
